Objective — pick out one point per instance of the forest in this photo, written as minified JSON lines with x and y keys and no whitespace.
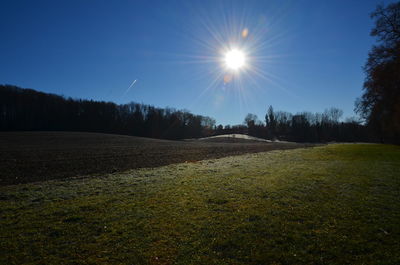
{"x":30,"y":110}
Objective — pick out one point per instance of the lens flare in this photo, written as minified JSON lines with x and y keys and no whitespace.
{"x":237,"y":51}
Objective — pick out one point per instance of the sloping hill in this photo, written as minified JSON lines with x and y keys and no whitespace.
{"x":233,"y":138}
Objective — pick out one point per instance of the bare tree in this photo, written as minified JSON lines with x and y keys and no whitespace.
{"x":379,"y":104}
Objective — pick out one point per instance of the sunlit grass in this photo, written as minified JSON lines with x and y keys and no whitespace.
{"x":337,"y":204}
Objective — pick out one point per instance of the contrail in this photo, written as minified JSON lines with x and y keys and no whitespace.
{"x":129,"y":88}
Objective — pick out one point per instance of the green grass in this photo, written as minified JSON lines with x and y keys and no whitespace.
{"x":335,"y":204}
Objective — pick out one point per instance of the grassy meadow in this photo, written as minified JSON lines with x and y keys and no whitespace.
{"x":334,"y":204}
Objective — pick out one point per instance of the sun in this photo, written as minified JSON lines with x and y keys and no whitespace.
{"x":235,"y":59}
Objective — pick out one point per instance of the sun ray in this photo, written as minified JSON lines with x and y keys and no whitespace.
{"x":236,"y":52}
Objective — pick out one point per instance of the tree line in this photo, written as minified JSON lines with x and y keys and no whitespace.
{"x":301,"y":127}
{"x":30,"y":110}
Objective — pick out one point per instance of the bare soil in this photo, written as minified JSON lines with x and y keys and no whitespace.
{"x":39,"y":156}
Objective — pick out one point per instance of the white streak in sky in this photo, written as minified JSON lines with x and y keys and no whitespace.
{"x":129,"y":88}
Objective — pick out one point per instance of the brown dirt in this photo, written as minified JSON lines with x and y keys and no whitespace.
{"x":38,"y":156}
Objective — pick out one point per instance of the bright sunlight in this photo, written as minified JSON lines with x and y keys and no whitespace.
{"x":235,"y":59}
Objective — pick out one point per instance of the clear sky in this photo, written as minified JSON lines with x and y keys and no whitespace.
{"x":301,"y":55}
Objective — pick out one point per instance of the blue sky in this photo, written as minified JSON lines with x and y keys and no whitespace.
{"x":302,"y":55}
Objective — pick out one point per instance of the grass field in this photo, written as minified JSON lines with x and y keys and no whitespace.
{"x":334,"y":204}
